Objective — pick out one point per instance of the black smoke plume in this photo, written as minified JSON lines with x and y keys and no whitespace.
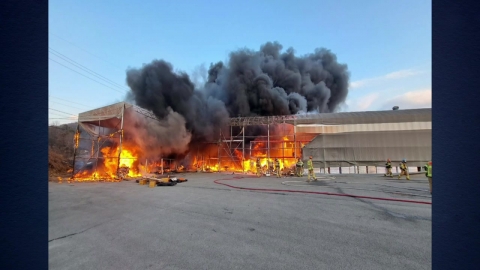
{"x":252,"y":83}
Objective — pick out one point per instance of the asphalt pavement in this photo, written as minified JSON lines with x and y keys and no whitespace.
{"x":200,"y":224}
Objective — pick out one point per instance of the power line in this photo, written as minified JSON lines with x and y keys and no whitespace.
{"x":66,"y":105}
{"x":64,"y":57}
{"x":61,"y":112}
{"x":93,"y":73}
{"x":55,"y":114}
{"x":86,"y":76}
{"x":85,"y":50}
{"x":71,"y":102}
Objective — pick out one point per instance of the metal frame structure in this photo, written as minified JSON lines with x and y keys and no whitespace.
{"x":231,"y":143}
{"x":98,"y":139}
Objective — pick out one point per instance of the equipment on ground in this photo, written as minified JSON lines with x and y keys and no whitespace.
{"x":170,"y":180}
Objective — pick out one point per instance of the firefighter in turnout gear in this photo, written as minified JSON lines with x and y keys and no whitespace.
{"x":299,"y":167}
{"x":388,"y":167}
{"x":270,"y":168}
{"x":404,"y":169}
{"x":259,"y":169}
{"x":310,"y":170}
{"x":277,"y":168}
{"x":428,"y":174}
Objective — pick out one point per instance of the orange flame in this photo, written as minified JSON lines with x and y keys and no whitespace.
{"x":282,"y":149}
{"x":108,"y":171}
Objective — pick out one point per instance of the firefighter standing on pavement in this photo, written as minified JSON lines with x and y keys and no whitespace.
{"x":404,"y":169}
{"x":277,"y":168}
{"x":259,"y":171}
{"x":299,"y":167}
{"x":388,"y":166}
{"x":428,"y":174}
{"x":310,"y":170}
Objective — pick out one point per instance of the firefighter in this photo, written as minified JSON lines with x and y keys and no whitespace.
{"x":428,"y":174}
{"x":299,"y":167}
{"x":404,"y":169}
{"x":259,"y":170}
{"x":270,"y":168}
{"x":252,"y":166}
{"x":310,"y":170}
{"x":277,"y":168}
{"x":388,"y":167}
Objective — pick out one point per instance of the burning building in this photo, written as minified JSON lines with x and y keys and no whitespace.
{"x":117,"y":141}
{"x":251,"y":107}
{"x":349,"y":142}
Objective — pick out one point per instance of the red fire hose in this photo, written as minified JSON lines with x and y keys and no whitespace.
{"x":312,"y":192}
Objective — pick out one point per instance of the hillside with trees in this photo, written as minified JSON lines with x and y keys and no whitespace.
{"x":60,"y":149}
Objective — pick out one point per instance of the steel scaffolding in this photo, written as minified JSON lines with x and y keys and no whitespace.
{"x":281,"y":141}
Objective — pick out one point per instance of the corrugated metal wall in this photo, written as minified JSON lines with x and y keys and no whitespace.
{"x":370,"y":148}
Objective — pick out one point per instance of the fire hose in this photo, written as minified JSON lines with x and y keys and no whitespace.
{"x":312,"y":192}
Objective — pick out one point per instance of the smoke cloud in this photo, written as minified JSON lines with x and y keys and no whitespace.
{"x":252,"y":83}
{"x":165,"y":137}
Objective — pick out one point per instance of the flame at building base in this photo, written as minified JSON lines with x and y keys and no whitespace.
{"x":204,"y":157}
{"x":106,"y":166}
{"x":232,"y":158}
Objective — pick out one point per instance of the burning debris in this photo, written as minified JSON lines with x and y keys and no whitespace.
{"x":267,"y":82}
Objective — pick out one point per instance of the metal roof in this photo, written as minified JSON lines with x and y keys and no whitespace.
{"x":367,"y":117}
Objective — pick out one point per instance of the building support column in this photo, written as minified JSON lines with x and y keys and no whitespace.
{"x":121,"y":140}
